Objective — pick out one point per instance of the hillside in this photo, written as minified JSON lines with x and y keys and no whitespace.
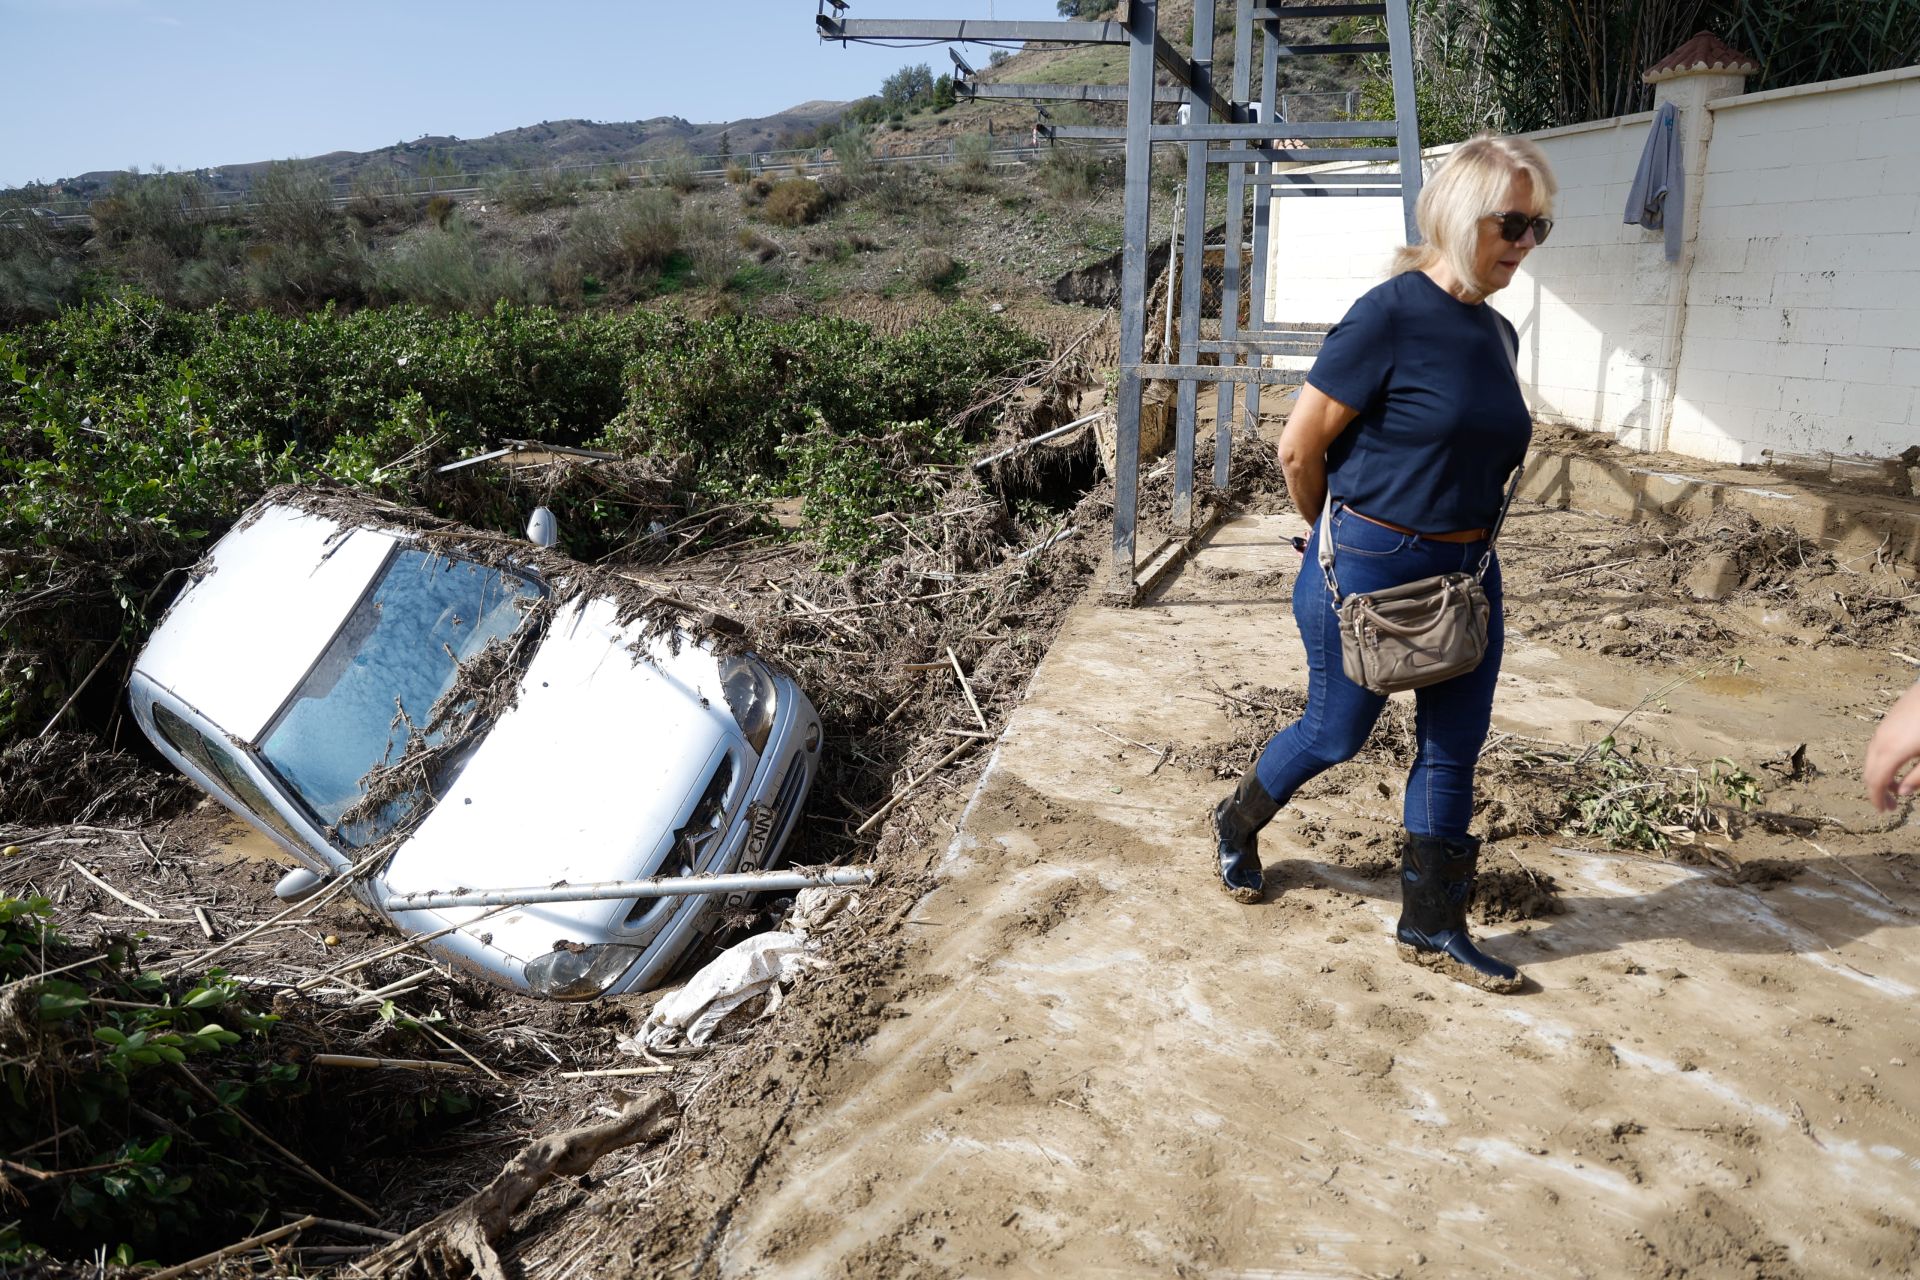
{"x":573,"y":143}
{"x":546,"y":145}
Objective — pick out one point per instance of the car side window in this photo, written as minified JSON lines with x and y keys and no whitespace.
{"x":218,"y":763}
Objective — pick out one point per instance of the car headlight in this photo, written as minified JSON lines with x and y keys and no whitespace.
{"x":748,"y":686}
{"x":582,"y":974}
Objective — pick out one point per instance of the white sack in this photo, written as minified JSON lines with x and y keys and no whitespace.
{"x":750,"y":967}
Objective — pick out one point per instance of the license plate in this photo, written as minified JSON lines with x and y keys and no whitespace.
{"x":759,"y":835}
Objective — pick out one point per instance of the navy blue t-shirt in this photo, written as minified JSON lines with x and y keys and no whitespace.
{"x":1442,"y":422}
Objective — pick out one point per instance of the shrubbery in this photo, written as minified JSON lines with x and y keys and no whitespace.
{"x":449,"y":267}
{"x":678,"y":171}
{"x":95,"y":1049}
{"x":853,"y":155}
{"x":623,"y":243}
{"x":132,"y":432}
{"x":129,"y":1089}
{"x":729,"y":390}
{"x":794,"y":202}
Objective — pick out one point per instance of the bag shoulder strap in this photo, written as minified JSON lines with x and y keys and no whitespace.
{"x":1513,"y":481}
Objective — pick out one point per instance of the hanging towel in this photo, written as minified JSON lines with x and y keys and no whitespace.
{"x":1657,"y":185}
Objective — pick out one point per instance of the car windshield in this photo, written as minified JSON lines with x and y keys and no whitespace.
{"x":395,"y":656}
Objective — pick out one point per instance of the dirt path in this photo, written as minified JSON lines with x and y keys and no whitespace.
{"x":1101,"y":1065}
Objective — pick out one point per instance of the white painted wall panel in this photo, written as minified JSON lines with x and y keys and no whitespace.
{"x":1797,"y":330}
{"x":1829,"y":280}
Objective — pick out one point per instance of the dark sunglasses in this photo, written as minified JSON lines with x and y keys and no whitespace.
{"x":1514,"y":225}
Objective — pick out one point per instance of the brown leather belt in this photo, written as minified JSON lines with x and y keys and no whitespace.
{"x":1458,"y":535}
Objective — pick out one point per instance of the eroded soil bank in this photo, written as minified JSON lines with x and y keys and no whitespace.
{"x":1094,"y":1062}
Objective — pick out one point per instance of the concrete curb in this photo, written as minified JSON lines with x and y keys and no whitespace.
{"x":1849,"y":523}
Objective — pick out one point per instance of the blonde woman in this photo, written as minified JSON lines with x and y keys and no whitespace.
{"x":1413,"y":418}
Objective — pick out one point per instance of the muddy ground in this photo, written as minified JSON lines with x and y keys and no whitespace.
{"x":1093,"y":1062}
{"x":1050,"y":1043}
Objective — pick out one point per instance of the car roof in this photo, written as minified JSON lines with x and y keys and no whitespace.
{"x":240,"y":638}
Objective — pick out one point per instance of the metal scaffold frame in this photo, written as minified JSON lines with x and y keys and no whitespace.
{"x":1240,"y":130}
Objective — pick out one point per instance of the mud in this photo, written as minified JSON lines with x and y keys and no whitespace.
{"x":1102,"y":1064}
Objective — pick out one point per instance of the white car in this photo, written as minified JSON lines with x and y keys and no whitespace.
{"x":309,"y":648}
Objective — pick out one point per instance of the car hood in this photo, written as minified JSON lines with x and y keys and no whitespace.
{"x":609,"y":745}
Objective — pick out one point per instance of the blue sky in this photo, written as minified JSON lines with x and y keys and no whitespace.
{"x":108,"y":84}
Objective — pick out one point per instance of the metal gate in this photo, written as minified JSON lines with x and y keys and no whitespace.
{"x":1240,"y":130}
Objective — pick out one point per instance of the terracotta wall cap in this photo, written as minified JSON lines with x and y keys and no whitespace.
{"x":1705,"y":54}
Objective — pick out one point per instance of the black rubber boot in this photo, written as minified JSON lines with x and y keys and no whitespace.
{"x":1236,"y":827}
{"x":1436,"y":886}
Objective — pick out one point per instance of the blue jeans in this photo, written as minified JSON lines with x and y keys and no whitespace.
{"x":1452,"y":716}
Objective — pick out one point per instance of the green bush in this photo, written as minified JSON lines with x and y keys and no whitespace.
{"x":152,"y":228}
{"x":853,"y":155}
{"x":293,"y":204}
{"x":715,"y":255}
{"x":300,"y":256}
{"x":727,"y":391}
{"x":973,"y":153}
{"x":164,"y":210}
{"x":845,"y":482}
{"x":646,"y":230}
{"x":36,"y":277}
{"x":936,"y":271}
{"x":795,"y":202}
{"x":1073,"y":173}
{"x":106,"y":1046}
{"x":897,"y":194}
{"x":450,"y":267}
{"x":377,"y":200}
{"x":678,"y":171}
{"x":524,"y":192}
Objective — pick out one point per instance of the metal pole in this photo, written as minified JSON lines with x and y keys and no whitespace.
{"x":1263,"y":207}
{"x":1141,"y":15}
{"x":1227,"y":392}
{"x":657,"y":887}
{"x":1193,"y":270}
{"x":1405,"y":114}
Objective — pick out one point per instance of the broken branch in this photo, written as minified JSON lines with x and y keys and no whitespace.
{"x":461,"y":1240}
{"x":206,"y":1260}
{"x":137,"y":905}
{"x":370,"y":1064}
{"x":909,"y":789}
{"x":966,"y":688}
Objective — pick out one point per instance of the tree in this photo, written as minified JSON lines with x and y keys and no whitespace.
{"x":1083,"y":8}
{"x":943,"y":93}
{"x":1518,"y":65}
{"x":907,"y":88}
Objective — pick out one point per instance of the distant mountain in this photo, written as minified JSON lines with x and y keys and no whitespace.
{"x":549,"y":144}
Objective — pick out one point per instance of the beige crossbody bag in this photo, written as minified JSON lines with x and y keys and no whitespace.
{"x":1420,"y":633}
{"x":1416,"y":634}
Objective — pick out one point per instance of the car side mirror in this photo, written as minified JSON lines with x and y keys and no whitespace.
{"x":542,"y":529}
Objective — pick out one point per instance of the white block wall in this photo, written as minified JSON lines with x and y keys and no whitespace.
{"x":1589,"y":305}
{"x":1326,"y":252}
{"x":1797,"y":331}
{"x":1802,"y":328}
{"x":1592,"y":304}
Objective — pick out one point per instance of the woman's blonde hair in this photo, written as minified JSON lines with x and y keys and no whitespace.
{"x":1469,"y":186}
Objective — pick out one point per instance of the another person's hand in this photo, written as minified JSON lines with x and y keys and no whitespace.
{"x":1895,"y":742}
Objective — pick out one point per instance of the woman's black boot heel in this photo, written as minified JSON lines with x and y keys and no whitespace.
{"x":1436,"y":886}
{"x":1236,"y":826}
